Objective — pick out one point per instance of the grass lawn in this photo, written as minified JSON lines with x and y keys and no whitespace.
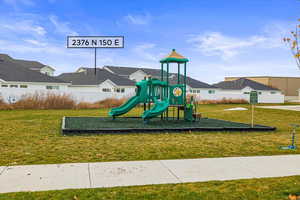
{"x":254,"y":189}
{"x":33,"y":137}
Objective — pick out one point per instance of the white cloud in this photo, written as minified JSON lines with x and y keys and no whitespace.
{"x":62,"y":27}
{"x":142,"y":50}
{"x":35,"y":42}
{"x":138,"y":19}
{"x":218,"y":44}
{"x":28,"y":46}
{"x":25,"y":26}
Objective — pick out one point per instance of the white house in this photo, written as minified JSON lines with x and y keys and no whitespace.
{"x":201,"y":90}
{"x":241,"y":88}
{"x":88,"y":86}
{"x":134,"y":73}
{"x":16,"y":81}
{"x":20,"y":77}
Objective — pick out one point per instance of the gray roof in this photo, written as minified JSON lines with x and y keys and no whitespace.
{"x":11,"y":71}
{"x":123,"y":71}
{"x":32,"y":65}
{"x":193,"y":83}
{"x":126,"y":71}
{"x":90,"y":78}
{"x":242,"y":83}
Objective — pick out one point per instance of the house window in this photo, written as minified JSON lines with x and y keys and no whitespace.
{"x":259,"y":93}
{"x":191,"y":91}
{"x":13,"y":86}
{"x":273,"y":92}
{"x":106,"y":90}
{"x":4,"y":85}
{"x":211,"y":91}
{"x":194,"y":91}
{"x":246,"y":92}
{"x":198,"y":91}
{"x":119,"y":90}
{"x":52,"y":87}
{"x":23,"y":86}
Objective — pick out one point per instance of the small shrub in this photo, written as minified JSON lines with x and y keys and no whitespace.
{"x":45,"y":101}
{"x":3,"y":104}
{"x":224,"y":101}
{"x":106,"y":103}
{"x":111,"y":102}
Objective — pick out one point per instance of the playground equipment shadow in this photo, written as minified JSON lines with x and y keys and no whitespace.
{"x":81,"y":125}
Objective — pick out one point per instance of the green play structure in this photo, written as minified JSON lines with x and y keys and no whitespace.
{"x":158,"y":96}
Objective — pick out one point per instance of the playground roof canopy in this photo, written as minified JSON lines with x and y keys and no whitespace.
{"x":174,"y":57}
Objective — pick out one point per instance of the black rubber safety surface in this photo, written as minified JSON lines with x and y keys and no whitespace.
{"x":81,"y":125}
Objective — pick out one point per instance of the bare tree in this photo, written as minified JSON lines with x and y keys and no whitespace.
{"x":293,"y":41}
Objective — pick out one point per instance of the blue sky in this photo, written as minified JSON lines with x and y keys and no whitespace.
{"x":220,"y":37}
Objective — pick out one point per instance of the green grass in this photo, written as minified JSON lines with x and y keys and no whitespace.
{"x":253,"y":189}
{"x":33,"y":137}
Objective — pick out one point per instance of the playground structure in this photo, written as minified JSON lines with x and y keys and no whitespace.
{"x":157,"y":97}
{"x":162,"y":93}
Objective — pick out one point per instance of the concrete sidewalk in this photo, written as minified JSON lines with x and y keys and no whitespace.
{"x":292,"y":108}
{"x":112,"y":174}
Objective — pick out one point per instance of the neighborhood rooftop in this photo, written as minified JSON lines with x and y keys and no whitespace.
{"x":89,"y":77}
{"x":193,"y":83}
{"x":11,"y":71}
{"x":33,"y":65}
{"x":20,"y":77}
{"x":242,"y":83}
{"x":127,"y":71}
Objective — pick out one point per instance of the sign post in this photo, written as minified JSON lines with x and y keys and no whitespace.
{"x":95,"y":42}
{"x":253,"y":101}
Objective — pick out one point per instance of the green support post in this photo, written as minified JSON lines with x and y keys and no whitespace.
{"x":167,"y":95}
{"x":178,"y":74}
{"x":162,"y":72}
{"x":162,"y":89}
{"x":178,"y":81}
{"x":184,"y":92}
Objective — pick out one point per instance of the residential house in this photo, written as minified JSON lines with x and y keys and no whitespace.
{"x":288,"y":85}
{"x":241,"y":88}
{"x":134,"y":73}
{"x":31,"y":65}
{"x":196,"y":88}
{"x":88,"y":86}
{"x":17,"y":81}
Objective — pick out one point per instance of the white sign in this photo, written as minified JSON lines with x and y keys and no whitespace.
{"x":95,"y":42}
